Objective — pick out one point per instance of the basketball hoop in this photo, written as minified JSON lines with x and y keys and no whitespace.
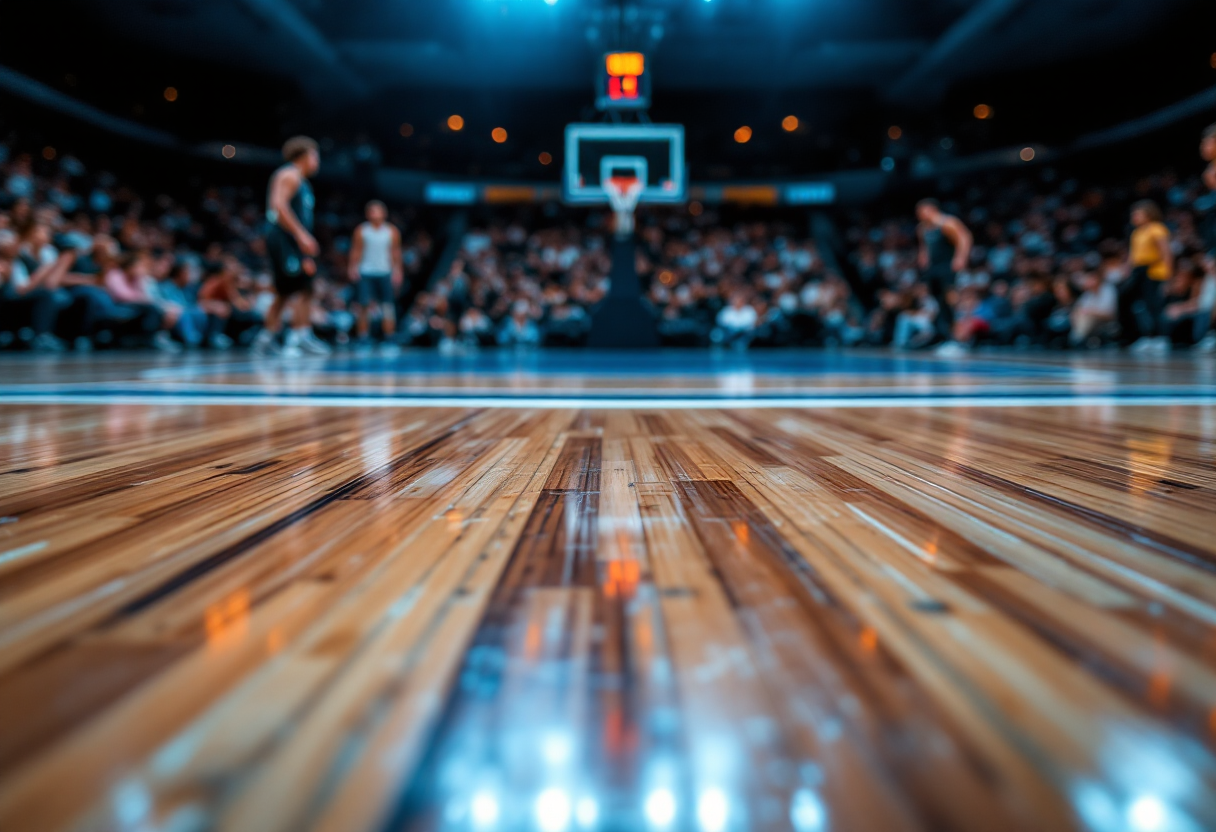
{"x":623,"y":195}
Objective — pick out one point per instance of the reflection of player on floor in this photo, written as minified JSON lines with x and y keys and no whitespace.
{"x":291,"y":247}
{"x":375,"y":269}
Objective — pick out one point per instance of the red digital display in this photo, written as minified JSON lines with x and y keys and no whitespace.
{"x":624,"y":82}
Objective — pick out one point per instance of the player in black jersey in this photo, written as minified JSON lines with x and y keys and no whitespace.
{"x":291,"y":247}
{"x":945,"y":248}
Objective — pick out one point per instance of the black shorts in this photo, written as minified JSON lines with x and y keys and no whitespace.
{"x":375,"y":288}
{"x":286,"y":264}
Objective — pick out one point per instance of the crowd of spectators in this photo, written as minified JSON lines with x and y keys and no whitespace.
{"x":87,"y":261}
{"x":1048,"y":266}
{"x":511,"y":287}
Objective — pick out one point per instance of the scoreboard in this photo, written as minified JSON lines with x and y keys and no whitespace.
{"x":623,"y":83}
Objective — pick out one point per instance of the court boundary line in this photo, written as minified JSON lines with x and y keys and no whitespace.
{"x":577,"y":403}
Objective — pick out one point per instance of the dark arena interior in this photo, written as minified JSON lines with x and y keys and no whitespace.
{"x":608,"y":416}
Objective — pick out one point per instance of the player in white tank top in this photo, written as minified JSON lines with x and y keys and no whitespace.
{"x":375,"y":270}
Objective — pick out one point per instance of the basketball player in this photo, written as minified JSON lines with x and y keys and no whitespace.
{"x":1150,"y":264}
{"x":291,"y":247}
{"x":945,"y":248}
{"x":375,"y":269}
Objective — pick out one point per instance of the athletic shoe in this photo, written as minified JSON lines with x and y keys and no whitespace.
{"x":950,"y":349}
{"x":389,"y":350}
{"x":165,"y":343}
{"x":46,"y":342}
{"x":220,"y":341}
{"x":1207,"y":344}
{"x":1151,"y":346}
{"x":290,"y":351}
{"x":265,"y":345}
{"x":312,"y":345}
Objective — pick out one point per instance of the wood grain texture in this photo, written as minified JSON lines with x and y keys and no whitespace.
{"x":257,"y":618}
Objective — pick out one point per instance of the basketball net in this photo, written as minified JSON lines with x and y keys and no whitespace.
{"x":623,"y":195}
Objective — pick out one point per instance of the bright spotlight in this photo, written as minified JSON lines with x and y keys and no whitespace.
{"x":455,"y":123}
{"x":484,"y":810}
{"x":982,"y":111}
{"x":499,"y":135}
{"x":660,"y":808}
{"x":586,"y":812}
{"x":553,"y":810}
{"x":807,"y":812}
{"x":743,"y":135}
{"x":1027,"y":154}
{"x":551,"y":2}
{"x":789,"y":124}
{"x":1146,"y":814}
{"x":712,"y":810}
{"x":228,"y":151}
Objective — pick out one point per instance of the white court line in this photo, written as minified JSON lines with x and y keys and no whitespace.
{"x":620,"y":404}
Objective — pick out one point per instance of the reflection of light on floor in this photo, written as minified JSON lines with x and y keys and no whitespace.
{"x":713,"y":810}
{"x":1147,"y":814}
{"x":553,"y":810}
{"x":737,"y":382}
{"x":226,"y":621}
{"x":484,"y":810}
{"x":807,"y":812}
{"x":131,"y":804}
{"x":586,"y":812}
{"x":556,"y":748}
{"x":660,"y":808}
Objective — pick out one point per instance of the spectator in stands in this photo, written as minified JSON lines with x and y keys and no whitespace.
{"x":230,"y":306}
{"x":736,"y":322}
{"x":520,"y":329}
{"x":1094,"y":312}
{"x":30,"y":304}
{"x":126,"y":283}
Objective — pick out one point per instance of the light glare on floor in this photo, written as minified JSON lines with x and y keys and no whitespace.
{"x":713,"y":809}
{"x":1146,"y":814}
{"x":553,"y":810}
{"x":660,"y":808}
{"x":484,"y":810}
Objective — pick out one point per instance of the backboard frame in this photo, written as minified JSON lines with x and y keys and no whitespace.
{"x":575,"y":194}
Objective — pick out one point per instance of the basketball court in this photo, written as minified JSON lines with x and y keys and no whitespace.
{"x":622,"y":587}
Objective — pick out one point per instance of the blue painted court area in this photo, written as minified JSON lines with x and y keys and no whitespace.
{"x":684,"y":363}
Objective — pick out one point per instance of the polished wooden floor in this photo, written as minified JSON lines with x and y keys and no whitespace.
{"x":263,"y":617}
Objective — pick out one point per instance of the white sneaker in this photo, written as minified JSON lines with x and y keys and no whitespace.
{"x":312,"y":345}
{"x":1151,"y":346}
{"x":1207,"y":343}
{"x":165,"y":343}
{"x":290,"y":351}
{"x":265,"y":345}
{"x":950,"y":349}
